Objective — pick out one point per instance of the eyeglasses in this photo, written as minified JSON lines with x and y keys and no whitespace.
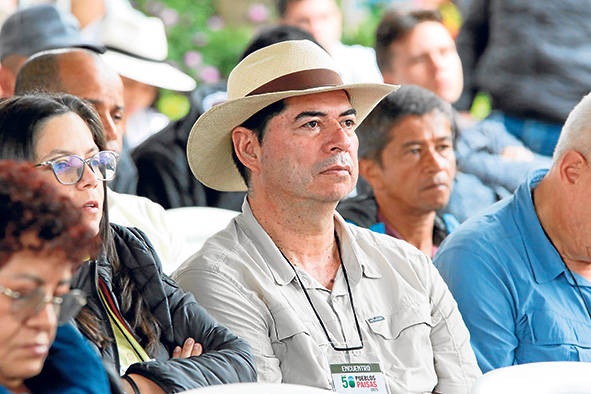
{"x":69,"y":169}
{"x":25,"y":306}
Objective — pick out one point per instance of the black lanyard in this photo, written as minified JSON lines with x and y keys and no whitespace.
{"x":340,"y":349}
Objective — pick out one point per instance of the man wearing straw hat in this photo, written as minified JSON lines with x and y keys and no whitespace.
{"x":323,"y":303}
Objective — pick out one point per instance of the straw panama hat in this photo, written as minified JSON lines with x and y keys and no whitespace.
{"x":279,"y":71}
{"x":137,"y":49}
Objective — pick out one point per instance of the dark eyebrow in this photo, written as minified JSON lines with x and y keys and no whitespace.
{"x":57,"y":153}
{"x":94,"y":102}
{"x":348,"y":112}
{"x":99,"y":102}
{"x":39,"y":280}
{"x":411,"y":143}
{"x":309,"y":114}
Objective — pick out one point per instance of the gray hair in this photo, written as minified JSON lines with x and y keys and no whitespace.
{"x":576,"y":132}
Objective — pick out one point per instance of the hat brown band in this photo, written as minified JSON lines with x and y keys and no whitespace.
{"x":300,"y":80}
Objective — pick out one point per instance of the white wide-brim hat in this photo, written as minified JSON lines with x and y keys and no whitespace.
{"x":279,"y":71}
{"x":137,"y":49}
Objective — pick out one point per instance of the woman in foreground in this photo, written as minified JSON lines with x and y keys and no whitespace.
{"x":150,"y":330}
{"x":42,"y":242}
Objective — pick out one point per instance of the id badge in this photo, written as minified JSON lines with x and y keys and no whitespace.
{"x":358,"y":378}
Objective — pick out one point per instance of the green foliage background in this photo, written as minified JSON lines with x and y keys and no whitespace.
{"x":207,"y":47}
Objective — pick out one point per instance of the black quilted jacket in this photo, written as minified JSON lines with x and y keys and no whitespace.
{"x":225,"y":359}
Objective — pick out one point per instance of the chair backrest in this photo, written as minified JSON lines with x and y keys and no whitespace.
{"x":541,"y":378}
{"x":199,"y":223}
{"x":257,"y":388}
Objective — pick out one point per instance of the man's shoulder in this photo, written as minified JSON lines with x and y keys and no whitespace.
{"x":489,"y":235}
{"x":397,"y":252}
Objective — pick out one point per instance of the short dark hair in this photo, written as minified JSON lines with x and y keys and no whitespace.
{"x":30,"y":205}
{"x":374,"y":132}
{"x":257,"y":123}
{"x":394,"y":26}
{"x":269,"y":35}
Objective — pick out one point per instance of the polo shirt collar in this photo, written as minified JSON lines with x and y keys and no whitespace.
{"x":545,"y":261}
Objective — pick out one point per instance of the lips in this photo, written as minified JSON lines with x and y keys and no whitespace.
{"x":90,"y":206}
{"x":337,"y":170}
{"x":436,"y":186}
{"x":36,"y":349}
{"x":340,"y":164}
{"x":439,"y":182}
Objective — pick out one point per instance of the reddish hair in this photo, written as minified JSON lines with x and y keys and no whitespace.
{"x":34,"y":216}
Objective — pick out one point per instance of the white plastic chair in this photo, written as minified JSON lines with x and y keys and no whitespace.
{"x":541,"y":378}
{"x":257,"y":388}
{"x":199,"y":223}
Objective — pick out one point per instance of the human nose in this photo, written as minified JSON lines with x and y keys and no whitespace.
{"x":341,"y":138}
{"x":89,"y":178}
{"x":437,"y":61}
{"x":46,"y":318}
{"x":113,"y":132}
{"x":435,"y":161}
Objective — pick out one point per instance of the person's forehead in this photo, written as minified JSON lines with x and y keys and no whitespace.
{"x":309,"y":8}
{"x":97,"y":87}
{"x":333,"y":99}
{"x":437,"y":35}
{"x":434,"y":124}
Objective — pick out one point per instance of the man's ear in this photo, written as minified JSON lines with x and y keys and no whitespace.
{"x":372,"y":173}
{"x":247,"y":147}
{"x":571,"y":166}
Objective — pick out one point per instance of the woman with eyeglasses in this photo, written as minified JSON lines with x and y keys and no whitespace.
{"x":152,"y":332}
{"x":42,"y":241}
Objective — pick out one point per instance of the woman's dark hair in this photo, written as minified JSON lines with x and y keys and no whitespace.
{"x":21,"y":119}
{"x":34,"y":216}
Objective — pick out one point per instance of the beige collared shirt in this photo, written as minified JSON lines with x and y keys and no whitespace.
{"x":409,"y":321}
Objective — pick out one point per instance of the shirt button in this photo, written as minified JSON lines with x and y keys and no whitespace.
{"x":129,"y":356}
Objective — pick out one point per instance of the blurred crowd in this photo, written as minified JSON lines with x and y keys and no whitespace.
{"x":328,"y":215}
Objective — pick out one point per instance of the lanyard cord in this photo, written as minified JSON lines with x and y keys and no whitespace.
{"x":342,"y":349}
{"x":579,"y":290}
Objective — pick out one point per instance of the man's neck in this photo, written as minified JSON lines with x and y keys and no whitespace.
{"x":550,"y":209}
{"x":416,"y":228}
{"x":304,"y":232}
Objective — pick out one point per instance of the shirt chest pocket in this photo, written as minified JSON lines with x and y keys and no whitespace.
{"x":403,"y":340}
{"x":401,"y":323}
{"x":300,"y":349}
{"x":556,"y":337}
